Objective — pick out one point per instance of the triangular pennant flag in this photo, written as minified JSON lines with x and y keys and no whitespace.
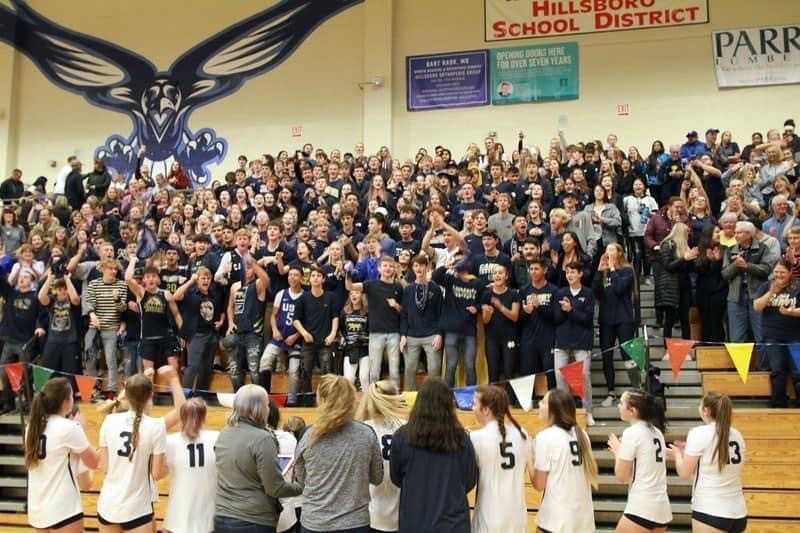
{"x":573,"y":375}
{"x":410,"y":398}
{"x":15,"y":371}
{"x":465,"y":397}
{"x":678,"y":349}
{"x":225,"y":399}
{"x":279,"y":399}
{"x":86,"y":386}
{"x":187,"y":393}
{"x":523,"y":388}
{"x":41,"y":375}
{"x":636,"y":351}
{"x":794,"y":349}
{"x":740,"y":353}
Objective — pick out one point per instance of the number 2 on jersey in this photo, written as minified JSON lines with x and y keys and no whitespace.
{"x":659,"y":455}
{"x":200,"y":458}
{"x":508,"y":455}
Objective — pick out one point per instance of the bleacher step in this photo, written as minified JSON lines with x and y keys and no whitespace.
{"x":672,"y":391}
{"x":673,"y":412}
{"x":15,"y":482}
{"x":11,"y":439}
{"x":12,"y":460}
{"x":597,"y":364}
{"x":13,"y":506}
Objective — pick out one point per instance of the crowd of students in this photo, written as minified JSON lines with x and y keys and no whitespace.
{"x":363,"y":467}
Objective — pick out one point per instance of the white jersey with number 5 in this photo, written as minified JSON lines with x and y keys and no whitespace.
{"x":500,"y":505}
{"x":644,"y":445}
{"x":567,"y":502}
{"x":53,"y":493}
{"x":384,"y":502}
{"x":192,"y":482}
{"x":126,"y":493}
{"x":717,"y":493}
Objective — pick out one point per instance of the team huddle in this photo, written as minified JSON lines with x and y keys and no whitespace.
{"x":369,"y":465}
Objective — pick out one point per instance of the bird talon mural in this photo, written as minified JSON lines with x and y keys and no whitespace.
{"x":159,"y":103}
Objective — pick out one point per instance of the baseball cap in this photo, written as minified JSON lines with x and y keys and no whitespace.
{"x":691,"y":134}
{"x":464,"y":266}
{"x":712,"y":130}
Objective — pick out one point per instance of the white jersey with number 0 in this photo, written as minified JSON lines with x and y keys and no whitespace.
{"x":192,"y":482}
{"x":384,"y":503}
{"x":126,"y":493}
{"x":717,"y":493}
{"x":53,"y":493}
{"x":567,"y":502}
{"x":644,"y":445}
{"x":500,"y":505}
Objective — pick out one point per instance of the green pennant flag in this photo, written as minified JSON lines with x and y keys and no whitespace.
{"x":636,"y":351}
{"x":40,"y":376}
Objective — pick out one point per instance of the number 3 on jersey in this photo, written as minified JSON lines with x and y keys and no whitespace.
{"x":126,"y":449}
{"x":509,"y":460}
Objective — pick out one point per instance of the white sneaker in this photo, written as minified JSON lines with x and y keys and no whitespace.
{"x":609,"y":401}
{"x":629,"y":364}
{"x":590,"y":420}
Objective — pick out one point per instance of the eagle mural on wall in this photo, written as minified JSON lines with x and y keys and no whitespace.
{"x":160,"y":102}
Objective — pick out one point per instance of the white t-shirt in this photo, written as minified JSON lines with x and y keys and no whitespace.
{"x":647,"y":495}
{"x":639,"y":212}
{"x":192,"y":482}
{"x":384,"y":503}
{"x":717,"y":493}
{"x":53,"y":493}
{"x":567,"y":502}
{"x":500,"y":505}
{"x":126,"y":493}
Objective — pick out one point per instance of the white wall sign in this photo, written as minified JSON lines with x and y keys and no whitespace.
{"x":757,"y":56}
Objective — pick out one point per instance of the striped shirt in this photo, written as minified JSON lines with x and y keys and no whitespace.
{"x":108,"y":301}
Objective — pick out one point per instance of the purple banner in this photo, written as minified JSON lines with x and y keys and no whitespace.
{"x":439,"y":81}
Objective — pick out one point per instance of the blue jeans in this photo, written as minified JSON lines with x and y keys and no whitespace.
{"x":781,"y":365}
{"x":743,"y":320}
{"x":226,"y":524}
{"x":364,"y":529}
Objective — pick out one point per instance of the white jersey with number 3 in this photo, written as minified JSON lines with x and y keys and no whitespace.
{"x":500,"y":505}
{"x":717,"y":493}
{"x":192,"y":482}
{"x":126,"y":493}
{"x":384,"y":502}
{"x":567,"y":502}
{"x":53,"y":493}
{"x":644,"y":445}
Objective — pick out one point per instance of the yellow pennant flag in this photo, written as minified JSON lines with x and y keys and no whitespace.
{"x":740,"y":353}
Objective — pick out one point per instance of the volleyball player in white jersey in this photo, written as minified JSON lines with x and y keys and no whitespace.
{"x":641,"y":456}
{"x":132,"y":450}
{"x":381,"y":408}
{"x":564,"y":468}
{"x":503,"y":452}
{"x":287,"y":443}
{"x":54,"y":446}
{"x":192,"y":467}
{"x":713,"y":455}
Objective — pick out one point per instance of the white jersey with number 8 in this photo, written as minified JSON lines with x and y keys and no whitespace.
{"x":384,"y":503}
{"x":567,"y":502}
{"x":126,"y":493}
{"x":53,"y":493}
{"x":647,"y":495}
{"x":192,"y":482}
{"x":717,"y":493}
{"x":500,"y":505}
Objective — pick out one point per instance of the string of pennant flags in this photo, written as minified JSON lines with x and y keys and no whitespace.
{"x":573,"y":373}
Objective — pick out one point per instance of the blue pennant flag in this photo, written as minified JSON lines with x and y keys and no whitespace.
{"x":464,"y":397}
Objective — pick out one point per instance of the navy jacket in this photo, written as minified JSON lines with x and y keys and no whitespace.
{"x":416,"y":323}
{"x":458,"y":296}
{"x":574,"y":330}
{"x":614,"y":295}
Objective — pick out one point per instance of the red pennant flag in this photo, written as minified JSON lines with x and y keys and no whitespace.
{"x":573,"y":375}
{"x":86,"y":386}
{"x":279,"y":399}
{"x":15,"y":371}
{"x":678,"y":349}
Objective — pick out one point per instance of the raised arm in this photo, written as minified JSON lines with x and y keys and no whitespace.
{"x":133,"y":285}
{"x":180,"y":293}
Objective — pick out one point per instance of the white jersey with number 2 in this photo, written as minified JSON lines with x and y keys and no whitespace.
{"x":647,"y":495}
{"x":53,"y":493}
{"x":500,"y":505}
{"x":127,"y":493}
{"x":567,"y":502}
{"x":192,"y":482}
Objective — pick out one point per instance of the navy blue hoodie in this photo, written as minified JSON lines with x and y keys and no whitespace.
{"x":615,"y":296}
{"x":574,"y":330}
{"x":458,"y":296}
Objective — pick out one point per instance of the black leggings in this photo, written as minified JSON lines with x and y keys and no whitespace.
{"x":638,"y":251}
{"x":500,"y":357}
{"x":610,"y":334}
{"x":679,"y":315}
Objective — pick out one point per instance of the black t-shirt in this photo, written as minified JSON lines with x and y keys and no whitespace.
{"x":277,"y":281}
{"x":63,"y":321}
{"x":202,"y":310}
{"x":483,"y":266}
{"x":538,"y":326}
{"x":499,"y":326}
{"x":316,"y":313}
{"x":774,"y":325}
{"x":172,"y":279}
{"x":382,"y":318}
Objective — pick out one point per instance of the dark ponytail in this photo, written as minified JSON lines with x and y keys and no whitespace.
{"x":47,"y":402}
{"x":720,"y":409}
{"x":648,"y":408}
{"x":496,"y":400}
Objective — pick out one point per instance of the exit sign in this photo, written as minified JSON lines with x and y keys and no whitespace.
{"x":623,"y":110}
{"x":296,"y":131}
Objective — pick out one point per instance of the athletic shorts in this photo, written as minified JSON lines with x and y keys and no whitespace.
{"x":66,"y":522}
{"x":130,"y":524}
{"x":729,"y":525}
{"x":645,"y":523}
{"x":157,"y":350}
